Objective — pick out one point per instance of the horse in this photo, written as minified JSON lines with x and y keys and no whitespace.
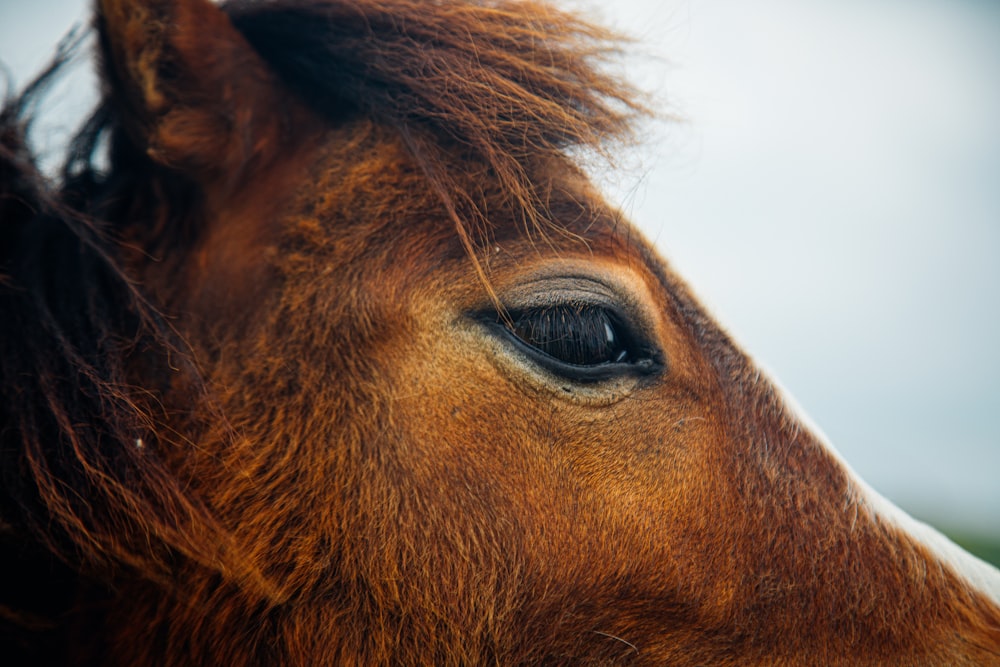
{"x":324,"y":349}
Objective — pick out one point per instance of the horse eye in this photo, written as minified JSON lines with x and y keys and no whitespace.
{"x":575,"y":335}
{"x":583,"y":343}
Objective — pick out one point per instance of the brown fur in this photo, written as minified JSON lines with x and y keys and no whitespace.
{"x":252,"y":415}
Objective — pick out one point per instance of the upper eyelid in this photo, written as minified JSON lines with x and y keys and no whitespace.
{"x":559,"y":292}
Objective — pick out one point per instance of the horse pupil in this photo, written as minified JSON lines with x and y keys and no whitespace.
{"x":577,"y":335}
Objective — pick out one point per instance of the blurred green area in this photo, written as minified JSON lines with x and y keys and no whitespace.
{"x":987,"y":548}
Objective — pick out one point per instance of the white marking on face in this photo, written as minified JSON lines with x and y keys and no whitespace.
{"x":978,"y":574}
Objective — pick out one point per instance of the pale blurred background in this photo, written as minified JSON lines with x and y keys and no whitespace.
{"x":833,"y":193}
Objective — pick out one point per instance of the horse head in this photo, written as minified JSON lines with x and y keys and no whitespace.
{"x":341,"y":358}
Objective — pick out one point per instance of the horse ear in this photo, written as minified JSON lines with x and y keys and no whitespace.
{"x":190,"y":91}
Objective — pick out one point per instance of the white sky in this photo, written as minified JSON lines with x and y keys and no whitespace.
{"x":834,"y":195}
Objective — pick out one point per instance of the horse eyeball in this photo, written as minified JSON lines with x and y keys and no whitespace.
{"x":584,"y":336}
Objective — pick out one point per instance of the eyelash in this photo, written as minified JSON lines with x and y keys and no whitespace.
{"x":580,"y":342}
{"x":576,"y":335}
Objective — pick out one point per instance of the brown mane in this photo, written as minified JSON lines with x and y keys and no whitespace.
{"x":507,"y":82}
